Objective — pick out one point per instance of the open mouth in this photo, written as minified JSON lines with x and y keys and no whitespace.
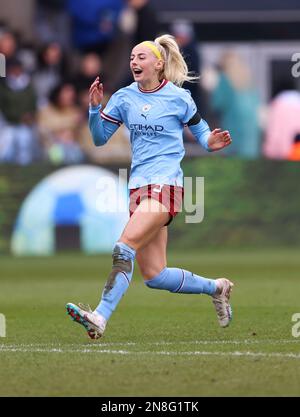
{"x":137,"y":71}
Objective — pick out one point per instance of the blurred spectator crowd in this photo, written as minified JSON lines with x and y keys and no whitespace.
{"x":45,"y":93}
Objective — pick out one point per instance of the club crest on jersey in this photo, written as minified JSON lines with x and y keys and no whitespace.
{"x":145,"y":110}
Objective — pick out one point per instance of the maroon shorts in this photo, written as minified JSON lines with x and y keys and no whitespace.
{"x":170,"y":196}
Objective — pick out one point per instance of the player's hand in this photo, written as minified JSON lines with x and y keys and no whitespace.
{"x":219,"y":139}
{"x":96,"y":93}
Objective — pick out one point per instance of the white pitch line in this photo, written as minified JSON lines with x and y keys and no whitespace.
{"x":229,"y":342}
{"x":161,"y":343}
{"x":289,"y":355}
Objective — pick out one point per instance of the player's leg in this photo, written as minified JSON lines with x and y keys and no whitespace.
{"x":145,"y":223}
{"x":149,"y":217}
{"x":147,"y":220}
{"x":152,"y":262}
{"x":152,"y":258}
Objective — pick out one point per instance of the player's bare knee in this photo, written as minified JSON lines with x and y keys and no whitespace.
{"x":130,"y":240}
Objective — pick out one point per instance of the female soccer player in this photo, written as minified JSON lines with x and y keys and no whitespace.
{"x":155,"y":109}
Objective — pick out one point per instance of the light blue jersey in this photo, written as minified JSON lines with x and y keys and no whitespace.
{"x":155,"y":119}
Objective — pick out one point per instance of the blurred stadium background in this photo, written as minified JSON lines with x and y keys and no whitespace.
{"x":55,"y":48}
{"x":247,"y":54}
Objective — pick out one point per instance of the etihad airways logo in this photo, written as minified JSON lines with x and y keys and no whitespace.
{"x":149,"y":130}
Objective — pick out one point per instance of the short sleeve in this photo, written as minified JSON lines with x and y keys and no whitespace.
{"x":112,"y":111}
{"x":188,"y":107}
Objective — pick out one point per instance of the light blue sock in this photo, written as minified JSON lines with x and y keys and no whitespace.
{"x":119,"y":279}
{"x":181,"y":281}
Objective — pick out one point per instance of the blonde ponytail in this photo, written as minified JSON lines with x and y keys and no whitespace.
{"x":175,"y":68}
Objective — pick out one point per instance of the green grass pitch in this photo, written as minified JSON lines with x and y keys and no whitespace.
{"x":157,"y":343}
